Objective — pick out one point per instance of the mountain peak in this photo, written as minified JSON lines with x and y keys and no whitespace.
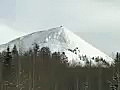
{"x":59,"y":39}
{"x":59,"y":28}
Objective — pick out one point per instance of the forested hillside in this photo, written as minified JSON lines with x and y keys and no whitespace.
{"x":39,"y":69}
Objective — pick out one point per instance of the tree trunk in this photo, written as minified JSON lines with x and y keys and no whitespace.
{"x":100,"y":79}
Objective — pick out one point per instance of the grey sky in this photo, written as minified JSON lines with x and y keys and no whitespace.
{"x":77,"y":15}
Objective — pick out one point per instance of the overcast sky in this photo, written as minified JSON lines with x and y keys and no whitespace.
{"x":26,"y":16}
{"x":77,"y":15}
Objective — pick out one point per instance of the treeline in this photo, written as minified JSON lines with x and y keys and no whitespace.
{"x":39,"y":69}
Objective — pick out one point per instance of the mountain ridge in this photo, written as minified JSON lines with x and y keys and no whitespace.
{"x":59,"y":39}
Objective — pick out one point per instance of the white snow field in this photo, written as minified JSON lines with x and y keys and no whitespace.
{"x":63,"y":40}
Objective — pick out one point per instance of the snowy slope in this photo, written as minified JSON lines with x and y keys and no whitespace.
{"x":60,"y":39}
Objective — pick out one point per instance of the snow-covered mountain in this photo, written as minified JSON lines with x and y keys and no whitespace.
{"x":62,"y":40}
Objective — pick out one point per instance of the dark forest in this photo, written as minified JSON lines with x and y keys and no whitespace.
{"x":39,"y":69}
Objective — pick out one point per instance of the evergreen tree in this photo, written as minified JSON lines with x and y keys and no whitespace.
{"x":7,"y":56}
{"x":0,"y":57}
{"x":64,"y":58}
{"x":14,"y":50}
{"x":117,"y":59}
{"x":45,"y":51}
{"x":115,"y":83}
{"x":35,"y":48}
